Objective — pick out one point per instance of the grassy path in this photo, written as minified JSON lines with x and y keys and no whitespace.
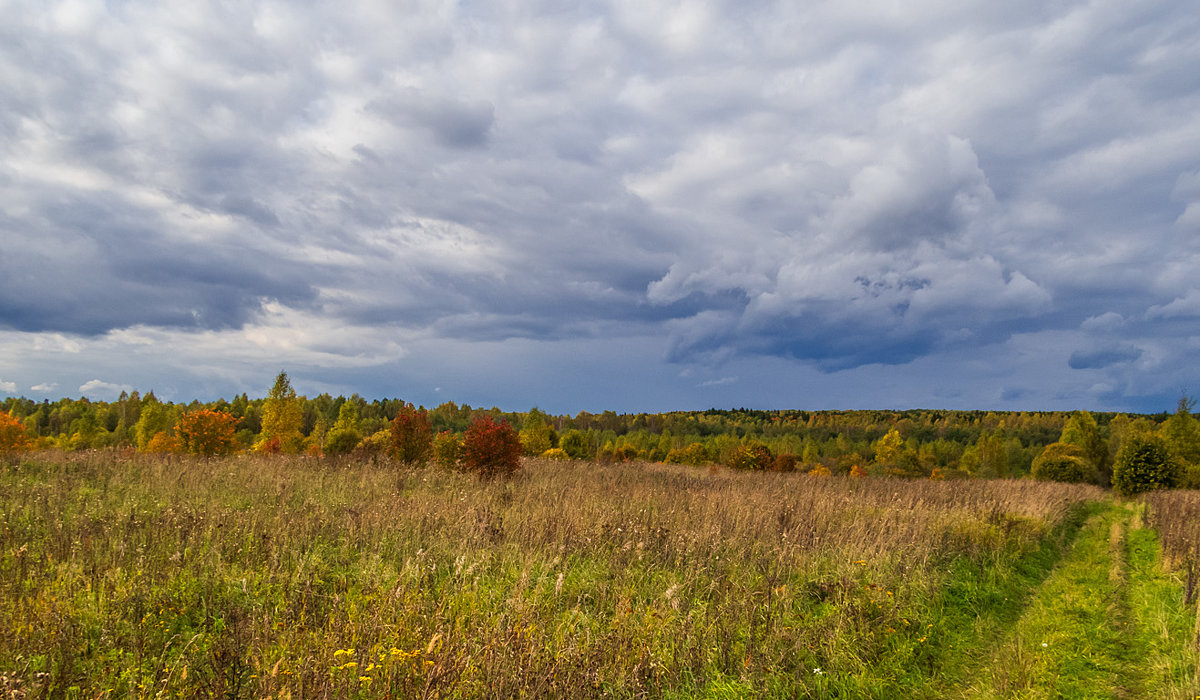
{"x":1106,"y":623}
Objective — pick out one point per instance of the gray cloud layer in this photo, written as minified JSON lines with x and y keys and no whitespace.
{"x":838,"y":186}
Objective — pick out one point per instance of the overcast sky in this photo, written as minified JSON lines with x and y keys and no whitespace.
{"x":622,"y":205}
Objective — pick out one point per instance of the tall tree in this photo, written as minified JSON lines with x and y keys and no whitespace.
{"x":889,"y":448}
{"x":1081,"y":430}
{"x":536,"y":436}
{"x":282,"y":418}
{"x":154,"y":417}
{"x":412,"y":435}
{"x":1181,"y":432}
{"x":345,"y":435}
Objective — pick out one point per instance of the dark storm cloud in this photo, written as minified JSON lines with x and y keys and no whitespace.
{"x":828,"y":186}
{"x":1103,"y":357}
{"x":453,"y":123}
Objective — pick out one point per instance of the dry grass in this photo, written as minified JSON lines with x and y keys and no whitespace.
{"x":249,"y":576}
{"x":1176,"y":517}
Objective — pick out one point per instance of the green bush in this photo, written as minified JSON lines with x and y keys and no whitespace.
{"x":753,"y":456}
{"x":1145,"y":464}
{"x":1191,"y":477}
{"x":694,"y":454}
{"x":575,"y":444}
{"x":446,"y":449}
{"x":342,"y":441}
{"x":374,"y":445}
{"x":1061,"y":461}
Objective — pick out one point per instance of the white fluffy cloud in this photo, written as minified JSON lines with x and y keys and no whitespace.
{"x":95,"y":388}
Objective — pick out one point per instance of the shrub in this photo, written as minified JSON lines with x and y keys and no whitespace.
{"x":207,"y":432}
{"x":694,"y":454}
{"x":1191,"y":477}
{"x":625,"y":453}
{"x":491,"y":449}
{"x":374,"y":445}
{"x":784,"y":463}
{"x":1145,"y":464}
{"x":342,"y":441}
{"x":820,"y":470}
{"x":858,"y":472}
{"x":753,"y":456}
{"x":13,"y":437}
{"x":412,"y":435}
{"x":1065,"y":462}
{"x":575,"y":444}
{"x":446,"y":449}
{"x":163,"y":443}
{"x":556,"y":453}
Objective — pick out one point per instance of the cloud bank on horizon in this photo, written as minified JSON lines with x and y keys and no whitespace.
{"x":605,"y":205}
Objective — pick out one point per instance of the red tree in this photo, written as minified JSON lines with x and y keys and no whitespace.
{"x":412,"y":435}
{"x":491,"y":449}
{"x":206,"y":432}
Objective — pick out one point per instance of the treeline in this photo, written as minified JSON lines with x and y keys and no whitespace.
{"x":916,"y":443}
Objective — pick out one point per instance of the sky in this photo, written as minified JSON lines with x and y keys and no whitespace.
{"x":620,"y":205}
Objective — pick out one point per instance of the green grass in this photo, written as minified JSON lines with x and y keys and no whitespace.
{"x":1107,"y":623}
{"x":253,"y":577}
{"x":1164,"y":626}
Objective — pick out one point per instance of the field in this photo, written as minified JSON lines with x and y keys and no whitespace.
{"x":130,"y":575}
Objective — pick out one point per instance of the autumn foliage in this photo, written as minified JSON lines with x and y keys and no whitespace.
{"x":206,"y":432}
{"x":412,"y":435}
{"x":281,"y":420}
{"x":491,"y":449}
{"x":446,"y":448}
{"x":13,"y":437}
{"x":754,"y":456}
{"x":163,"y":442}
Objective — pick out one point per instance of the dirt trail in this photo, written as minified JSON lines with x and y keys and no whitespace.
{"x":1078,"y":637}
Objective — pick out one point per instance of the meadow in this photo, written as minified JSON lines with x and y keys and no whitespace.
{"x":132,"y":575}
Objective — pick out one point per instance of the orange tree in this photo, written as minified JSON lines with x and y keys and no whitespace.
{"x":206,"y":432}
{"x":13,"y":437}
{"x":491,"y":449}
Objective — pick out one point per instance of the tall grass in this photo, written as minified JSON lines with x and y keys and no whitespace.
{"x":1176,"y":517}
{"x":250,"y":577}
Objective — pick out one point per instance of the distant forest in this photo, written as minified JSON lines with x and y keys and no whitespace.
{"x":910,"y":443}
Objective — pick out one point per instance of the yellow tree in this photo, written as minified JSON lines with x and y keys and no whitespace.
{"x":1081,"y":430}
{"x":537,"y":436}
{"x":282,"y":419}
{"x":1181,"y":433}
{"x":345,"y":434}
{"x":889,"y":448}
